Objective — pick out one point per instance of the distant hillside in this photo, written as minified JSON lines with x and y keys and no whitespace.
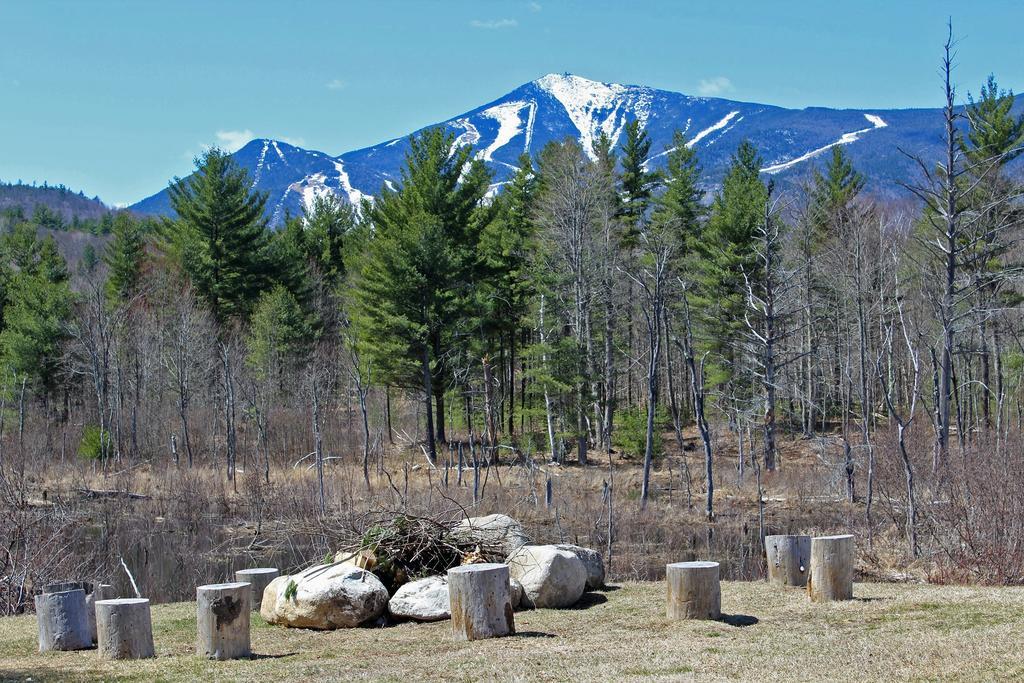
{"x":53,"y":207}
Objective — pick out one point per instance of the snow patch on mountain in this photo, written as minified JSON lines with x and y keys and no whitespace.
{"x":509,"y":125}
{"x":718,"y":125}
{"x":259,"y":164}
{"x":469,"y":136}
{"x":593,"y":107}
{"x":845,"y":139}
{"x":354,"y":196}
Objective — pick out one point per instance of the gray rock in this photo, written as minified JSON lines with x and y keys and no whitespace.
{"x":326,"y":597}
{"x":593,"y":562}
{"x":421,"y":600}
{"x":550,"y":577}
{"x":497,"y":535}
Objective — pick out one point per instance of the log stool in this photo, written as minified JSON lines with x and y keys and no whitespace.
{"x":63,"y":620}
{"x":831,"y":576}
{"x":222,"y":620}
{"x":789,"y":559}
{"x":124,"y":628}
{"x":100,"y":591}
{"x":693,"y":590}
{"x":481,"y":606}
{"x":259,"y":579}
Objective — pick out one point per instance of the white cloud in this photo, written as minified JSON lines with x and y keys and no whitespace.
{"x":298,"y":142}
{"x":233,"y":140}
{"x":713,"y":87}
{"x":535,"y":6}
{"x":494,"y":23}
{"x":336,"y":84}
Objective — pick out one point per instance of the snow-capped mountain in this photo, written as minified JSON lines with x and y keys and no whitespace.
{"x":557,"y":106}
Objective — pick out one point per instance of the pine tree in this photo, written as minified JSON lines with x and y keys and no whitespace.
{"x":327,"y":224}
{"x":415,"y":290}
{"x":830,"y":196}
{"x":124,"y":257}
{"x":636,"y":182}
{"x":728,"y":251}
{"x":37,"y":304}
{"x":507,"y":288}
{"x":680,"y":207}
{"x":221,"y":235}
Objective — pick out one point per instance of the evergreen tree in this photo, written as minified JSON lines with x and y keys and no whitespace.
{"x":279,"y":333}
{"x":636,"y":182}
{"x":995,"y":134}
{"x":508,"y":285}
{"x":680,"y":207}
{"x":37,"y":305}
{"x":728,"y":251}
{"x":831,"y":195}
{"x":327,"y":224}
{"x":124,"y":258}
{"x":221,"y":235}
{"x":415,"y":289}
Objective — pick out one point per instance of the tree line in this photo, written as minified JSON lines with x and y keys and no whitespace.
{"x":593,"y":304}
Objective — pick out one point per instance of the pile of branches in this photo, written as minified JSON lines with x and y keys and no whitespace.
{"x":406,"y":547}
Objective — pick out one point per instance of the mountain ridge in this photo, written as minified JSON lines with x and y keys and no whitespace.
{"x":556,"y":106}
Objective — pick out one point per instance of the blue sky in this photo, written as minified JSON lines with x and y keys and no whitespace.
{"x":117,"y":97}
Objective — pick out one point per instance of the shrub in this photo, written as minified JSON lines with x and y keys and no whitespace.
{"x":93,"y":446}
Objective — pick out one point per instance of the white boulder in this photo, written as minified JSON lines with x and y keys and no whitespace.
{"x":422,"y":600}
{"x":325,"y":597}
{"x":515,"y":593}
{"x":495,"y":534}
{"x":593,"y":562}
{"x":550,"y":577}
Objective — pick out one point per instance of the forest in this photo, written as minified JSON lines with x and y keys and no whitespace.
{"x":646,"y":363}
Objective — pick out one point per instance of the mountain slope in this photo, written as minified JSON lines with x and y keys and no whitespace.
{"x":557,"y":106}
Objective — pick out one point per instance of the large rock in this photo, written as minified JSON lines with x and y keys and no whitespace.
{"x":515,"y":592}
{"x":326,"y":597}
{"x":550,"y":577}
{"x":428,"y":599}
{"x":421,"y":600}
{"x":495,"y":534}
{"x":593,"y":562}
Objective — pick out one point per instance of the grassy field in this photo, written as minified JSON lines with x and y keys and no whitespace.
{"x":889,"y":632}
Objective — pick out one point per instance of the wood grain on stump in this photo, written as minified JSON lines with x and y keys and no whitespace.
{"x":481,"y":605}
{"x":124,"y":628}
{"x":694,"y":591}
{"x":63,"y":620}
{"x":831,"y":575}
{"x":222,"y":620}
{"x":789,"y":559}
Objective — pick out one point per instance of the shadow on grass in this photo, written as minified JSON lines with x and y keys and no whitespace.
{"x":739,"y":620}
{"x":281,"y":656}
{"x":533,"y":634}
{"x":589,"y":600}
{"x":609,"y":589}
{"x":875,"y":599}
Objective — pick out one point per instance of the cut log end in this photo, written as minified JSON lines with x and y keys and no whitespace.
{"x":693,"y":590}
{"x":63,"y":620}
{"x":831,"y":568}
{"x":788,"y":558}
{"x":124,"y":629}
{"x":222,"y":620}
{"x":481,"y":605}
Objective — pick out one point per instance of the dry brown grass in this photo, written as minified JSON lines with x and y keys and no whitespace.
{"x":890,"y":632}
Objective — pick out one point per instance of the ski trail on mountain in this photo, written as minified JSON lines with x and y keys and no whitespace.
{"x":718,"y":125}
{"x":846,"y":138}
